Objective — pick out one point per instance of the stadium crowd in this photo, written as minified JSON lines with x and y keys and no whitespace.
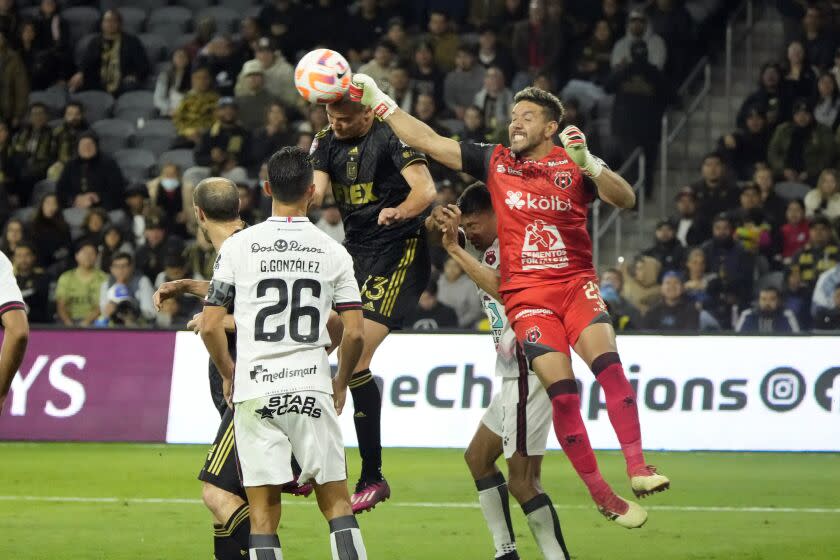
{"x":109,"y":118}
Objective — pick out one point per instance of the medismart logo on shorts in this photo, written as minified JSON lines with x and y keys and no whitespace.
{"x":259,"y":373}
{"x":515,"y":200}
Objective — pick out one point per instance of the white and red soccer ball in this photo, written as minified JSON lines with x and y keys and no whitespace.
{"x":322,"y":76}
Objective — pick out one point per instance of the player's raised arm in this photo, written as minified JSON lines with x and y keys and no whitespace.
{"x":612,"y":187}
{"x":176,"y":288}
{"x":410,"y":130}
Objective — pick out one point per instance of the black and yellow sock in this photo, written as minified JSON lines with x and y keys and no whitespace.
{"x":231,"y":540}
{"x":367,"y":401}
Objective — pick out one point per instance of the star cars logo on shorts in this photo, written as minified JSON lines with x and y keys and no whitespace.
{"x":490,"y":257}
{"x":516,"y":201}
{"x":533,"y":334}
{"x":563,"y":179}
{"x":290,"y":403}
{"x":281,"y":246}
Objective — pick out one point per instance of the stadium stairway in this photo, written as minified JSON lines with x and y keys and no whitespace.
{"x":687,"y":150}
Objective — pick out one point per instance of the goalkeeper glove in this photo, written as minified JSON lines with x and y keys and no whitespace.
{"x":575,"y":143}
{"x":363,"y":89}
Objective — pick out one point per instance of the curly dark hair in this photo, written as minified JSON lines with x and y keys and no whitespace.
{"x":552,"y":106}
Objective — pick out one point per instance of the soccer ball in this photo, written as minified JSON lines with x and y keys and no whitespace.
{"x":322,"y":76}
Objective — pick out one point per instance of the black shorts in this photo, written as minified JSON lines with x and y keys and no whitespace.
{"x":392,"y":279}
{"x":221,"y":468}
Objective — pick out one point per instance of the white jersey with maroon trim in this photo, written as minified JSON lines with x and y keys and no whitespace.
{"x":10,"y":296}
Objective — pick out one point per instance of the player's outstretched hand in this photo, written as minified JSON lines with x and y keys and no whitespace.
{"x":167,"y":290}
{"x":195,"y":323}
{"x":364,"y":90}
{"x":574,"y":141}
{"x":339,"y":396}
{"x":449,"y":220}
{"x":390,"y":216}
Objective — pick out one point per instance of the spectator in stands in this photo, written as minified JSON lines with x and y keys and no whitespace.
{"x":51,"y":28}
{"x":675,"y":312}
{"x":426,"y":77}
{"x":14,"y":84}
{"x":443,"y":39}
{"x":638,"y":30}
{"x":77,"y":292}
{"x":797,"y":297}
{"x":32,"y":151}
{"x":667,"y":249}
{"x":249,"y":212}
{"x":744,"y":148}
{"x":124,"y":285}
{"x":752,"y":231}
{"x":732,"y":265}
{"x":769,"y":316}
{"x":593,"y":57}
{"x":456,"y":290}
{"x":494,"y":100}
{"x":430,"y":314}
{"x":255,"y":100}
{"x":464,"y":82}
{"x":825,"y":198}
{"x":218,"y":57}
{"x":474,"y":129}
{"x":330,"y":222}
{"x":113,"y":242}
{"x":400,"y":88}
{"x":670,"y":20}
{"x":819,"y":45}
{"x":640,"y":287}
{"x":492,"y":53}
{"x":272,"y":136}
{"x":201,"y":256}
{"x":281,"y":20}
{"x":91,"y":178}
{"x":158,"y":243}
{"x":800,"y":79}
{"x":66,"y":138}
{"x":168,"y":194}
{"x":50,"y":235}
{"x":245,"y":44}
{"x":819,"y":255}
{"x":43,"y":65}
{"x":835,"y":70}
{"x":13,"y":235}
{"x":768,"y":97}
{"x":277,"y":73}
{"x":304,"y":140}
{"x":367,"y":25}
{"x":802,"y":148}
{"x":113,"y":61}
{"x":224,"y":148}
{"x":773,"y":205}
{"x":539,"y":45}
{"x":8,"y":173}
{"x":827,"y":284}
{"x":379,"y":66}
{"x":715,"y":191}
{"x":624,"y":316}
{"x":177,"y":311}
{"x":9,"y":17}
{"x":827,"y":109}
{"x":205,"y":30}
{"x":33,"y":283}
{"x":135,"y":207}
{"x":397,"y":35}
{"x":692,"y":229}
{"x":195,"y":114}
{"x":794,"y":232}
{"x":426,"y":111}
{"x":697,"y":277}
{"x":173,"y":84}
{"x":93,"y":226}
{"x":828,"y":319}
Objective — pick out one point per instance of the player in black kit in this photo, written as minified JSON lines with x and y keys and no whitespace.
{"x":383,"y":189}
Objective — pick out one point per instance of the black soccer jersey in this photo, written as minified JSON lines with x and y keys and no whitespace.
{"x":216,"y":389}
{"x":365,"y":176}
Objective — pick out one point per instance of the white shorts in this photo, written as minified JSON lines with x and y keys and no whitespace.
{"x":268,"y":430}
{"x":523,"y":428}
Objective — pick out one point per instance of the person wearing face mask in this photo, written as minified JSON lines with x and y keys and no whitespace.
{"x":91,"y":178}
{"x":624,"y":315}
{"x":168,"y":193}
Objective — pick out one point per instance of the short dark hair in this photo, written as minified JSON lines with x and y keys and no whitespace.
{"x":26,"y":245}
{"x":218,"y":198}
{"x":289,"y":174}
{"x":122,"y":255}
{"x":773,"y":289}
{"x":87,"y":242}
{"x":548,"y":101}
{"x":74,"y":104}
{"x":38,"y":104}
{"x":475,"y":199}
{"x":387,"y":44}
{"x":713,"y":155}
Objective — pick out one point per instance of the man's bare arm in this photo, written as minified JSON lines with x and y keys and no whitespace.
{"x":614,"y":189}
{"x":322,"y":187}
{"x":213,"y":335}
{"x":15,"y":340}
{"x":170,"y":290}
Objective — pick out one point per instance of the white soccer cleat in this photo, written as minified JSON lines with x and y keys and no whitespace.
{"x":634,"y":515}
{"x":647,"y":481}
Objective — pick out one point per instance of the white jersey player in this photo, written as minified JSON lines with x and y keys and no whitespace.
{"x":518,"y":419}
{"x":15,"y":324}
{"x":284,"y":277}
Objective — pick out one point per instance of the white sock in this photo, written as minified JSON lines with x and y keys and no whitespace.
{"x":346,"y":539}
{"x":493,"y":497}
{"x":264,"y":547}
{"x":545,"y":525}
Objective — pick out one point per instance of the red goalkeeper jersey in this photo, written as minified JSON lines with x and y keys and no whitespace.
{"x":541,"y":208}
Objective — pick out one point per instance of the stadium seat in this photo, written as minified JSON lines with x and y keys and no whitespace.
{"x":81,"y":47}
{"x":117,"y":218}
{"x":156,"y":136}
{"x":30,"y":12}
{"x":74,"y":217}
{"x":81,"y":20}
{"x":97,"y":104}
{"x":54,"y":98}
{"x":775,"y":279}
{"x":193,"y":5}
{"x":791,"y":191}
{"x":239,"y":6}
{"x":184,"y":159}
{"x":135,"y":105}
{"x":148,"y":4}
{"x":156,"y":46}
{"x":133,"y":18}
{"x":170,"y":16}
{"x":114,"y":134}
{"x":40,"y":189}
{"x":25,"y":215}
{"x":135,"y":163}
{"x":226,"y":18}
{"x":173,"y":36}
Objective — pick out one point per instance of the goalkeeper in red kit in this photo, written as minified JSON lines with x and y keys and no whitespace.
{"x":541,"y":193}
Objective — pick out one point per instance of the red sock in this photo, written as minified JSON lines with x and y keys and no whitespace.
{"x":571,"y":433}
{"x":621,"y":408}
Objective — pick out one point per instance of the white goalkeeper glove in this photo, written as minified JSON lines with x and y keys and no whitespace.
{"x":364,"y":90}
{"x":575,"y":143}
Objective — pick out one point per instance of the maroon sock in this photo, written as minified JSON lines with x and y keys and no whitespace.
{"x":621,"y":407}
{"x":571,"y":433}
